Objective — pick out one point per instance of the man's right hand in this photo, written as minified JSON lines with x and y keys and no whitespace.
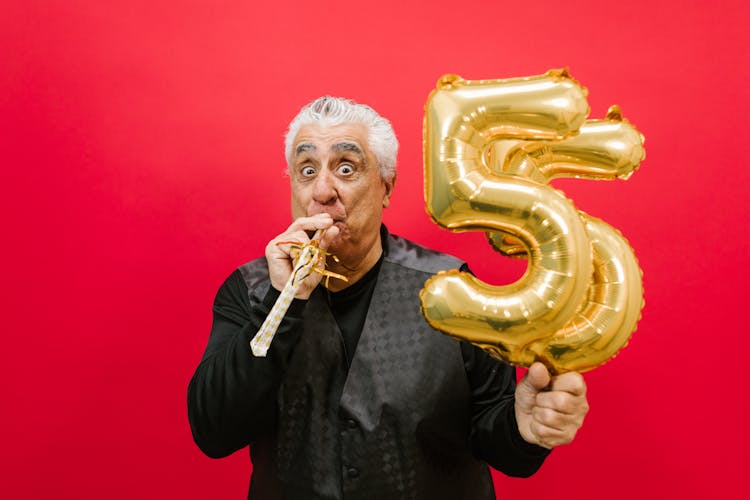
{"x":278,"y":254}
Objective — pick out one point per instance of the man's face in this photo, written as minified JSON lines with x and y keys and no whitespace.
{"x":334,"y":171}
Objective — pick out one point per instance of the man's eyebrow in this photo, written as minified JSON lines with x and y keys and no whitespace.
{"x":305,"y":146}
{"x":347,"y":146}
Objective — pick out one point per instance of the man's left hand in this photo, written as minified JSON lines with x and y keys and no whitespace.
{"x":550,"y":410}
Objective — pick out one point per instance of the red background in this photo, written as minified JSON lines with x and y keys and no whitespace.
{"x":141,"y":153}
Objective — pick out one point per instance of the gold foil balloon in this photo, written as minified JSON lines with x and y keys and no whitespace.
{"x":490,"y":149}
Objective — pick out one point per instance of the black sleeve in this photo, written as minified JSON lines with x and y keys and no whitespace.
{"x":232,"y":395}
{"x":494,"y":435}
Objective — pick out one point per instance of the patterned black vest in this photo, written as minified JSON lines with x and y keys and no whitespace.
{"x":394,"y":426}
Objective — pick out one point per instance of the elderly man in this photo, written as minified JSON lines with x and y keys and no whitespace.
{"x":358,"y":397}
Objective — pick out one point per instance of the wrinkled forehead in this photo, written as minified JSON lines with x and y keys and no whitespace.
{"x":335,"y":147}
{"x":347,"y":137}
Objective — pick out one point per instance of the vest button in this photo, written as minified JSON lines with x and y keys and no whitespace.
{"x":352,"y":473}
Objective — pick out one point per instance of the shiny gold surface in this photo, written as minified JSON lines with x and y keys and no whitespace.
{"x":490,"y":149}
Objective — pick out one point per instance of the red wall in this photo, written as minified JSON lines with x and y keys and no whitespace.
{"x":141,"y":160}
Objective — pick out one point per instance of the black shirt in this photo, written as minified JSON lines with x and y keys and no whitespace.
{"x":349,"y":307}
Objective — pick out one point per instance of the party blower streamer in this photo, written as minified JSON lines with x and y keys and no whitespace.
{"x":490,"y":149}
{"x":310,"y":258}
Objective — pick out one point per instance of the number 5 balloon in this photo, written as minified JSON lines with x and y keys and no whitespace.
{"x":490,"y":149}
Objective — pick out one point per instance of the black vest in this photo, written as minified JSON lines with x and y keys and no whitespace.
{"x":396,"y":425}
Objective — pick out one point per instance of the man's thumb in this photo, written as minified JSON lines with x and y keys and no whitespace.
{"x":328,"y":236}
{"x":537,"y":378}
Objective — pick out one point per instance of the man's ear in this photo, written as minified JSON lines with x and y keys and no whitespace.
{"x":388,"y":191}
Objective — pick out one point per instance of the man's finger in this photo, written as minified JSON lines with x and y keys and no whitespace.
{"x":550,"y":418}
{"x":312,"y":223}
{"x":328,"y":236}
{"x":562,"y":402}
{"x":570,"y":382}
{"x":281,"y":246}
{"x":537,"y":377}
{"x":549,"y":437}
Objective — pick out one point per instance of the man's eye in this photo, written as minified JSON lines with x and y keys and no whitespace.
{"x":345,"y":169}
{"x":307,"y":171}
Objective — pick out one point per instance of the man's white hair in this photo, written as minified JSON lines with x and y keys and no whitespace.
{"x":329,"y":111}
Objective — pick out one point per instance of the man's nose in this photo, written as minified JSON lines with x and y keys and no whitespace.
{"x":324,"y":188}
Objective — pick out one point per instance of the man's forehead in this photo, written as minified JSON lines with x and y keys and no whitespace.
{"x":336,"y":147}
{"x":337,"y":138}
